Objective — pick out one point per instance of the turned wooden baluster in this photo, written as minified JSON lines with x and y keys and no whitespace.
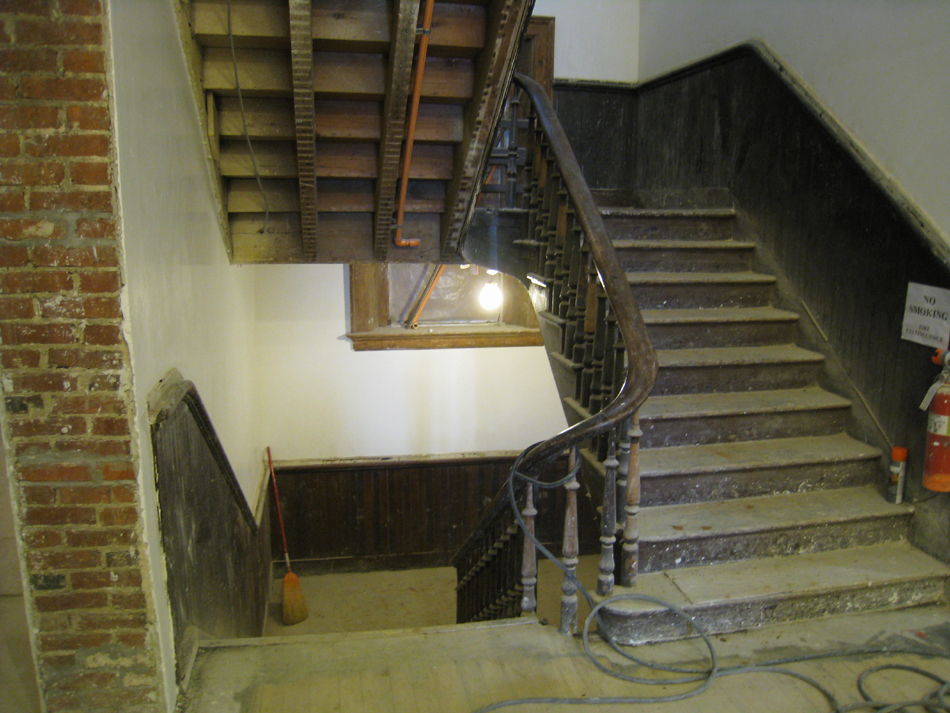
{"x":569,"y":551}
{"x":608,"y":521}
{"x":529,"y":559}
{"x":631,"y":531}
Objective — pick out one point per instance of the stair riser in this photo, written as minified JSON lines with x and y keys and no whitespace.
{"x":743,"y":377}
{"x":670,"y":554}
{"x":635,"y":228}
{"x":644,"y":627}
{"x":729,"y":484}
{"x":658,"y":433}
{"x":744,"y":334}
{"x":666,"y":296}
{"x":682,"y":260}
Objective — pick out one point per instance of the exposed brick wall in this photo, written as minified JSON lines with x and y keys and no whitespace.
{"x":65,"y":369}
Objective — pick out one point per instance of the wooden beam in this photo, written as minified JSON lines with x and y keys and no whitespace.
{"x":336,"y":75}
{"x":493,"y":76}
{"x":272,"y":118}
{"x":334,"y":195}
{"x":301,"y":54}
{"x":353,"y":26}
{"x":393,"y":124}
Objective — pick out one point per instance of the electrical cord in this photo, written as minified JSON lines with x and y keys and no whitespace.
{"x":247,"y":136}
{"x":935,"y":702}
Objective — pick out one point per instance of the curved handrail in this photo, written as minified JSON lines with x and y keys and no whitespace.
{"x":641,"y":356}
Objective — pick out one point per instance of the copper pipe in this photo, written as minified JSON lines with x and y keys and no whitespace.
{"x":413,"y":320}
{"x":398,"y":240}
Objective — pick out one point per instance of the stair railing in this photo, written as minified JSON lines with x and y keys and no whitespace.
{"x":603,"y":340}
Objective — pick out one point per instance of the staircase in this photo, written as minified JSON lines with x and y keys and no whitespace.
{"x":757,"y":506}
{"x":754,"y":504}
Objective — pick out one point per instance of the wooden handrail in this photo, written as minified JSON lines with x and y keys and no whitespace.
{"x":641,"y":356}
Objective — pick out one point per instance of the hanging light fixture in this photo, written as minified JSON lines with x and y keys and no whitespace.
{"x":490,"y":298}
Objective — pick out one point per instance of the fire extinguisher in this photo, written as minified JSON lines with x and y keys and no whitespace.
{"x":937,"y":405}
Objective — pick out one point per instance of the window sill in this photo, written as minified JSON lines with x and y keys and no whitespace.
{"x":455,"y":337}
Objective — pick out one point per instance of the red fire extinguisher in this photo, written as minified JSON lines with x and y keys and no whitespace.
{"x":937,"y":405}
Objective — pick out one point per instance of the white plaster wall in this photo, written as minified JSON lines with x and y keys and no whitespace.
{"x":186,"y":306}
{"x":596,"y":39}
{"x":320,"y":399}
{"x":882,"y":68}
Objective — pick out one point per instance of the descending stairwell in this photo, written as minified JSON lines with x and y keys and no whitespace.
{"x":757,"y":506}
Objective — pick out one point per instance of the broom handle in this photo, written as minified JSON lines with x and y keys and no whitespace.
{"x":280,"y":518}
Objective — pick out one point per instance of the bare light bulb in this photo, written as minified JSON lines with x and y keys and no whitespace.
{"x":490,"y":297}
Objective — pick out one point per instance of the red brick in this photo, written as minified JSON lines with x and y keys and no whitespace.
{"x":29,"y":228}
{"x":109,"y":517}
{"x":128,"y":601}
{"x":31,"y":174}
{"x":16,"y":308}
{"x":105,"y":382}
{"x":100,"y":537}
{"x":40,"y":539}
{"x":39,"y":495}
{"x":13,"y":256}
{"x":134,"y":640}
{"x":19,"y":358}
{"x":45,"y":32}
{"x":45,"y":382}
{"x":100,"y":281}
{"x":58,"y":515}
{"x":63,"y":89}
{"x":28,"y":7}
{"x":110,"y":579}
{"x":12,"y":201}
{"x":72,"y":642}
{"x":33,"y":448}
{"x":89,"y":404}
{"x":73,"y":600}
{"x":108,"y":622}
{"x":80,"y":307}
{"x":97,"y":228}
{"x":28,"y":117}
{"x":80,"y":7}
{"x":44,"y":560}
{"x":121,"y":698}
{"x":52,"y":621}
{"x":87,"y":359}
{"x":26,"y":333}
{"x":103,"y":448}
{"x":84,"y":61}
{"x":9,"y":145}
{"x":28,"y":428}
{"x":85,"y":681}
{"x":7,"y":86}
{"x":34,"y":282}
{"x":102,"y":334}
{"x":88,"y":118}
{"x":68,"y":145}
{"x":124,"y":494}
{"x":58,"y":660}
{"x":55,"y":256}
{"x":118,"y":471}
{"x":110,"y":426}
{"x":90,"y":174}
{"x":27,"y":60}
{"x":88,"y":495}
{"x":99,"y":201}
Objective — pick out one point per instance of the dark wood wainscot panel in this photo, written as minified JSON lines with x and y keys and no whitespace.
{"x":399,"y":513}
{"x":215,"y":553}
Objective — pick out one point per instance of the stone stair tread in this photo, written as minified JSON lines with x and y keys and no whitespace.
{"x":664,"y":523}
{"x":751,"y":455}
{"x":645,"y":244}
{"x":740,"y":402}
{"x":756,"y":580}
{"x":715,"y":315}
{"x":629,"y":212}
{"x":726,"y":356}
{"x":698,"y":278}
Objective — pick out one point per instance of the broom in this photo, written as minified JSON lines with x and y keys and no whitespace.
{"x":294,"y":606}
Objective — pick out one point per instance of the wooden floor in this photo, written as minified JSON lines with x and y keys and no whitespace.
{"x":459,"y":669}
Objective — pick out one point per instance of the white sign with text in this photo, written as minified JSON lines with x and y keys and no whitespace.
{"x":927,"y":316}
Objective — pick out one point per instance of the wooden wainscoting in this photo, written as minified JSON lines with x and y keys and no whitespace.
{"x":396,"y":513}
